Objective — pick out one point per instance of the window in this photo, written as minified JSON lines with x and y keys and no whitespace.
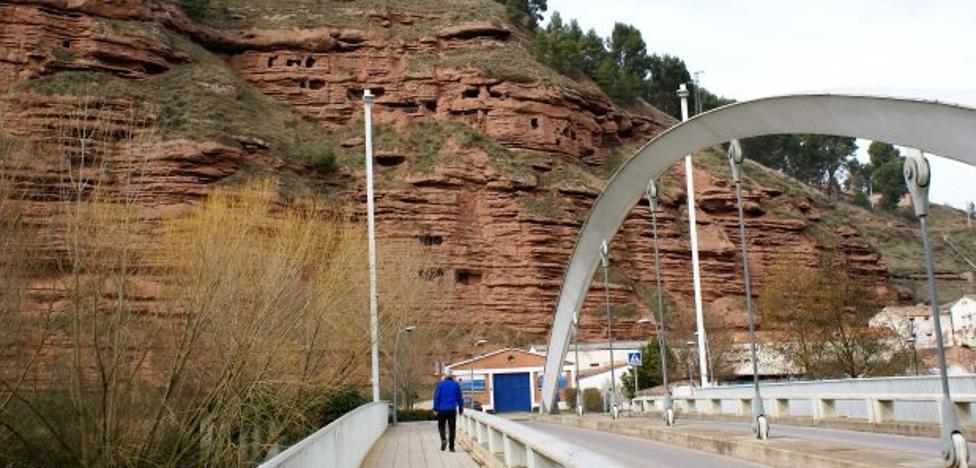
{"x":563,"y":378}
{"x":464,"y":380}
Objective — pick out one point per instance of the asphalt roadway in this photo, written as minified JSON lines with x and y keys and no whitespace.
{"x":633,"y":451}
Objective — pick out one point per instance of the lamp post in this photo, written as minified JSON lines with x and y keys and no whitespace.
{"x":955,"y":450}
{"x":605,"y":261}
{"x":693,"y":230}
{"x":396,"y":347}
{"x":471,"y":369}
{"x":371,"y":227}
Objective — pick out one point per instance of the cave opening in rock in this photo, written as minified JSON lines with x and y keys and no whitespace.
{"x":428,"y":239}
{"x":471,"y":93}
{"x":431,"y":105}
{"x":66,"y":44}
{"x":271,"y":60}
{"x":309,"y":62}
{"x":389,"y":160}
{"x":316,"y":84}
{"x":534,"y":122}
{"x":467,"y":277}
{"x":494,"y":94}
{"x":302,"y":84}
{"x":293,"y":62}
{"x":430,"y":274}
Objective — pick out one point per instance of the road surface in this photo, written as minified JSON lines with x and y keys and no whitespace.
{"x":633,"y":451}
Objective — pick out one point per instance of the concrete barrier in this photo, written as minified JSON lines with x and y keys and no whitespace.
{"x":342,"y":444}
{"x":498,"y":442}
{"x":874,"y":400}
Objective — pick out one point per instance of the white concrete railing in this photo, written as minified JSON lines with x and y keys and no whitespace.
{"x":504,"y":443}
{"x":344,"y":443}
{"x":876,"y":400}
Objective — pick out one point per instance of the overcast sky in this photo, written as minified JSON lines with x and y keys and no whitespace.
{"x":755,"y":48}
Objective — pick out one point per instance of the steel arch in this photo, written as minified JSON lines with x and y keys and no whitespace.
{"x":942,"y":129}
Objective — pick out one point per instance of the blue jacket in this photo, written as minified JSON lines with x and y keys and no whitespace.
{"x":447,"y":396}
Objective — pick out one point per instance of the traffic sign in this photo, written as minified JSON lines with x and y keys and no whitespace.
{"x":634,"y":359}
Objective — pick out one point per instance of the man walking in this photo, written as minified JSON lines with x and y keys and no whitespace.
{"x":448,"y":403}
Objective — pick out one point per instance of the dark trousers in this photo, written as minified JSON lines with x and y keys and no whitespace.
{"x":449,"y":418}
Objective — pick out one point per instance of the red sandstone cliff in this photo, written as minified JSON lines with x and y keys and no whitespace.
{"x":499,"y":222}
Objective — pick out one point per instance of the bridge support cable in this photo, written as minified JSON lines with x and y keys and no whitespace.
{"x":955,"y":452}
{"x":605,"y":261}
{"x":760,"y":425}
{"x":668,"y":409}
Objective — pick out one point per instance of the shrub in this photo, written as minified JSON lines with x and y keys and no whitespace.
{"x":569,"y":396}
{"x":323,"y":159}
{"x":592,"y":400}
{"x":415,"y":415}
{"x":341,"y":402}
{"x":194,"y":8}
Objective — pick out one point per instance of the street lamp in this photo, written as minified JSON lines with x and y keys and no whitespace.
{"x":471,"y":369}
{"x":368,"y":99}
{"x":396,"y":347}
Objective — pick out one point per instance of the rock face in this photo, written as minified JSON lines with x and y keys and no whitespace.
{"x":500,"y":239}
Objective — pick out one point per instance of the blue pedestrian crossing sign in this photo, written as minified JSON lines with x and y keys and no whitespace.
{"x":634,"y":358}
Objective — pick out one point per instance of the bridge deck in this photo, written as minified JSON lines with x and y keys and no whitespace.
{"x":415,"y":445}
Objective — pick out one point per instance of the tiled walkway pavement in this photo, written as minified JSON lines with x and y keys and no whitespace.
{"x":415,"y":445}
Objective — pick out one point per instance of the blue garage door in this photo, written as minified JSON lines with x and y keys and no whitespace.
{"x":512,"y":392}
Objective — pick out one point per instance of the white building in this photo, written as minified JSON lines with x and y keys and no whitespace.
{"x":963,"y":314}
{"x":904,"y":320}
{"x":596,"y":354}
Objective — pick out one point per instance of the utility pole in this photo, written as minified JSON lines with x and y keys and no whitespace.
{"x":373,"y":313}
{"x":698,"y":102}
{"x":693,"y":227}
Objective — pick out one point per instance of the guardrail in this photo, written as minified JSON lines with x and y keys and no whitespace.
{"x":500,"y":442}
{"x":344,"y":443}
{"x":875,"y":400}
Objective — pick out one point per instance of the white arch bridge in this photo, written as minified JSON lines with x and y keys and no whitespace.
{"x":852,"y":416}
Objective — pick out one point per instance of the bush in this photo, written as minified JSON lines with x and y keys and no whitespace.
{"x":415,"y":415}
{"x":592,"y":400}
{"x":195,"y":8}
{"x":323,"y":159}
{"x":340,"y":403}
{"x":569,"y":396}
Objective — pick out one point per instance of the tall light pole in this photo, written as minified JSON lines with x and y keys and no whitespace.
{"x":471,"y":370}
{"x":693,"y":225}
{"x":370,"y":222}
{"x":605,"y":260}
{"x":396,"y":347}
{"x":955,"y":451}
{"x":698,"y":103}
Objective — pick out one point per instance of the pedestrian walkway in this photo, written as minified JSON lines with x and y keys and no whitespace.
{"x":415,"y":445}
